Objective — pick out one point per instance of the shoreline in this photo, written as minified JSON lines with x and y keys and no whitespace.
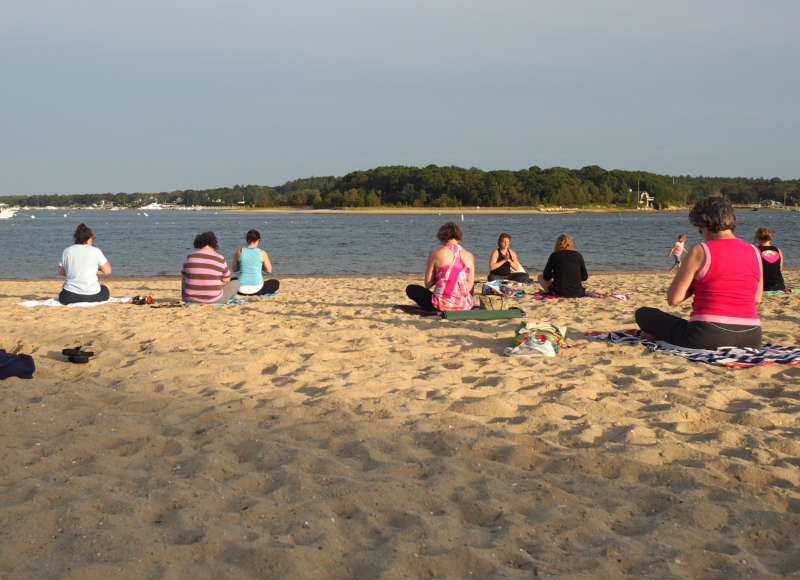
{"x":480,"y":276}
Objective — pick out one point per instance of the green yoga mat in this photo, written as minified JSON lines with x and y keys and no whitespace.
{"x":482,"y":314}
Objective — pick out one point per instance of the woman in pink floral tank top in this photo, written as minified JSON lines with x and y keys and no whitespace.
{"x":450,"y":272}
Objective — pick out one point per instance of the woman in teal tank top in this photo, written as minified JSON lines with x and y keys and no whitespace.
{"x":249,"y":262}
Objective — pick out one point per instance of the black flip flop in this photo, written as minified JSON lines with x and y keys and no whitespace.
{"x":77,"y":351}
{"x":78,"y":355}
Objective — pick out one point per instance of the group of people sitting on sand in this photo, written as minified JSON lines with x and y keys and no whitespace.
{"x":725,"y":275}
{"x":205,"y":277}
{"x":450,"y":272}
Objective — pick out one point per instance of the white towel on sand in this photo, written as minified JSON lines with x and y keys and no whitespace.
{"x":55,"y":302}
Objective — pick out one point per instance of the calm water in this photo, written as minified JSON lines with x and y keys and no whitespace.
{"x":320,"y":244}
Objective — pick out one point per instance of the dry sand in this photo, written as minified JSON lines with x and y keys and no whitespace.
{"x":319,"y":433}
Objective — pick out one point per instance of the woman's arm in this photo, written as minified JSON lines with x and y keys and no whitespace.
{"x":781,"y":262}
{"x":548,"y":273}
{"x":105,"y":269}
{"x":679,"y":290}
{"x":584,"y":273}
{"x":265,"y":263}
{"x":430,"y":279}
{"x":513,"y":259}
{"x":61,"y":271}
{"x":236,"y":257}
{"x":495,"y":262}
{"x":469,"y":260}
{"x":760,"y":290}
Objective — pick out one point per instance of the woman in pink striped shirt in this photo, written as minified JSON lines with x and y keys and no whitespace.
{"x":205,"y":276}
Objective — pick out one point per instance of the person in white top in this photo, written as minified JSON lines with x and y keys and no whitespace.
{"x":82,"y":263}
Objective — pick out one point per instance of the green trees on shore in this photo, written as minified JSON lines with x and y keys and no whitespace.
{"x":436,"y":186}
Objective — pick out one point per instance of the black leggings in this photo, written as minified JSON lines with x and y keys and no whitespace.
{"x":521,"y":277}
{"x":268,"y":287}
{"x":420,"y":295}
{"x":707,"y":335}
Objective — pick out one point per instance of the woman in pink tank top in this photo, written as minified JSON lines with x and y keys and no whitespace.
{"x":450,"y":272}
{"x":724,"y":274}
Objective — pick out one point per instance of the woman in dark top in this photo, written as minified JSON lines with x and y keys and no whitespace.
{"x":564,"y":271}
{"x":771,"y":260}
{"x":504,"y":262}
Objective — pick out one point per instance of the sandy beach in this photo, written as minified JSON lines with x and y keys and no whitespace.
{"x":320,"y":433}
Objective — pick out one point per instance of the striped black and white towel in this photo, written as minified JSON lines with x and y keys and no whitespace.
{"x":726,"y":356}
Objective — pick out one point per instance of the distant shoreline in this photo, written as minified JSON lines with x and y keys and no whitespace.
{"x":405,"y":210}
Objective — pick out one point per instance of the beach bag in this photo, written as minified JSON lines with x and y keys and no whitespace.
{"x":493,"y":302}
{"x":536,"y":339}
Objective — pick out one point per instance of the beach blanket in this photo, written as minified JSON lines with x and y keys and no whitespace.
{"x":478,"y":314}
{"x":779,"y":292}
{"x":726,"y":356}
{"x":55,"y":302}
{"x":589,"y":294}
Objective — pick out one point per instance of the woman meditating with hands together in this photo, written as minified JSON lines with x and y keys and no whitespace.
{"x":724,"y":274}
{"x":504,"y":262}
{"x":450,"y":272}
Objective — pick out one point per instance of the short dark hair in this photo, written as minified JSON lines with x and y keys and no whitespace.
{"x":763,"y":234}
{"x":500,"y":239}
{"x":82,"y":234}
{"x":715,"y":213}
{"x":449,"y":231}
{"x":206,"y":239}
{"x":252,"y":236}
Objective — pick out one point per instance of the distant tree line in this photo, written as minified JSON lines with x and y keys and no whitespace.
{"x":435,"y":186}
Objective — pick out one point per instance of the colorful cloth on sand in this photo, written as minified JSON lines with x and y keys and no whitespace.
{"x":495,"y":287}
{"x":726,"y":356}
{"x":55,"y":302}
{"x":537,"y":339}
{"x":777,"y":292}
{"x":589,"y":294}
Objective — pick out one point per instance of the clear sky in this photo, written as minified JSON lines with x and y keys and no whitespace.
{"x":107,"y":96}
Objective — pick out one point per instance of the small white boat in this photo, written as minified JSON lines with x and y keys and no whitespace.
{"x":153,"y":205}
{"x":6,"y":213}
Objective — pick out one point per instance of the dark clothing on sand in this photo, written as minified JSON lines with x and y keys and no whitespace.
{"x":567,"y":270}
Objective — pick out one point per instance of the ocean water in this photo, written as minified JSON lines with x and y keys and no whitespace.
{"x":139,"y":245}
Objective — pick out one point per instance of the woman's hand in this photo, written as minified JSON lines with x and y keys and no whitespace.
{"x":495,"y":262}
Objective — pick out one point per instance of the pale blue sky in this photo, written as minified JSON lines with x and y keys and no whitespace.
{"x":115,"y":96}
